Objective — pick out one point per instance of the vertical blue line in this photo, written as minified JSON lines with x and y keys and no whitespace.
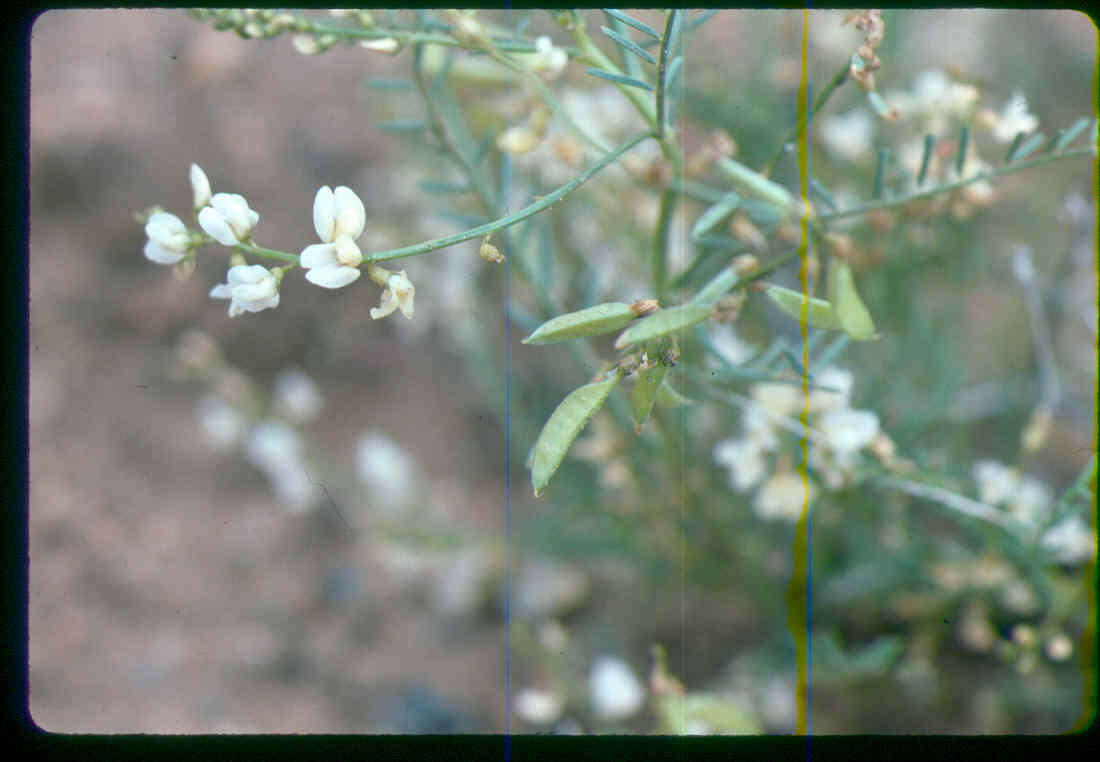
{"x":507,"y":441}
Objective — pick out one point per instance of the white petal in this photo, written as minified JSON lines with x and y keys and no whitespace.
{"x":162,"y":256}
{"x":221,"y":291}
{"x":200,"y":187}
{"x":333,"y":276}
{"x":351,"y":215}
{"x":318,"y":255}
{"x":388,"y":305}
{"x":324,"y":214}
{"x":215,"y":225}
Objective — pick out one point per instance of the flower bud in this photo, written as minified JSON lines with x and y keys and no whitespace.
{"x":490,"y":253}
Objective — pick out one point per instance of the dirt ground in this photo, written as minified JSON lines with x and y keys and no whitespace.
{"x":169,"y":591}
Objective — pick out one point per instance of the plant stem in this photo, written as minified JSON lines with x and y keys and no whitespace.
{"x":796,"y":133}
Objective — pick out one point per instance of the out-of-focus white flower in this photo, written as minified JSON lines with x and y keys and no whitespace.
{"x":782,"y":497}
{"x":168,"y":239}
{"x":759,"y":428}
{"x":835,"y":378}
{"x":1070,"y":542}
{"x":276,"y":449}
{"x":200,"y":187}
{"x":538,"y":707}
{"x":1059,"y":647}
{"x":306,"y":45}
{"x":935,"y":100}
{"x":398,"y":294}
{"x":1013,"y":119}
{"x":296,"y":396}
{"x":849,"y":135}
{"x":383,"y":45}
{"x":1031,"y":502}
{"x":339,"y":218}
{"x":220,"y":422}
{"x":777,"y":398}
{"x":549,"y":60}
{"x":228,"y":220}
{"x":385,"y":469}
{"x":745,"y":460}
{"x":848,"y":431}
{"x":518,"y":140}
{"x":250,"y":288}
{"x":615,"y":692}
{"x":996,"y":481}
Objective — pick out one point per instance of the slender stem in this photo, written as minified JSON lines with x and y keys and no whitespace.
{"x":901,"y":200}
{"x":800,"y":127}
{"x":252,"y":248}
{"x":512,"y":219}
{"x":952,"y":500}
{"x":662,"y":66}
{"x":660,"y":243}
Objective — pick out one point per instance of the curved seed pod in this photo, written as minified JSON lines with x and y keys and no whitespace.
{"x":821,"y":312}
{"x":669,"y":397}
{"x":603,"y":318}
{"x":645,"y":394}
{"x":663,"y":323}
{"x":563,"y":426}
{"x":849,"y":309}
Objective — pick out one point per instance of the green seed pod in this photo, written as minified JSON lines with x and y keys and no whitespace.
{"x":603,"y":318}
{"x":645,"y":394}
{"x":848,"y":308}
{"x":821,"y":314}
{"x":663,"y":323}
{"x":563,"y":426}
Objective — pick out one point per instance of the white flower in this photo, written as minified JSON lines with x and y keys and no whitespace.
{"x":1070,"y":542}
{"x":385,"y":469}
{"x":849,"y":135}
{"x":777,"y":398}
{"x":615,"y":692}
{"x":398,"y":294}
{"x":781,"y":497}
{"x":847,"y":431}
{"x":745,"y":460}
{"x":275,"y":449}
{"x":220,"y":422}
{"x":549,"y":60}
{"x":996,"y":481}
{"x":228,"y":220}
{"x":1031,"y":501}
{"x":1014,"y":118}
{"x":306,"y":45}
{"x":168,"y":239}
{"x":200,"y":187}
{"x":250,"y":288}
{"x":822,"y":400}
{"x":339,"y":218}
{"x":538,"y":707}
{"x":297,"y":396}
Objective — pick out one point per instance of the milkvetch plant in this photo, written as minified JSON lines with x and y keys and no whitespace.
{"x":637,"y":255}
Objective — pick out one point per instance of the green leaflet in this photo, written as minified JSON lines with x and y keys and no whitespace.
{"x":645,"y":394}
{"x":821,"y":312}
{"x":848,"y":308}
{"x":563,"y":426}
{"x":709,"y":294}
{"x":662,"y":323}
{"x":603,"y":318}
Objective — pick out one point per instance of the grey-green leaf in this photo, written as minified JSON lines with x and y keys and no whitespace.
{"x":563,"y":426}
{"x":662,"y":323}
{"x":645,"y":394}
{"x":714,"y":214}
{"x":603,"y":318}
{"x":820,"y":314}
{"x":848,"y":308}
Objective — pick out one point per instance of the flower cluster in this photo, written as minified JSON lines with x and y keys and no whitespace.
{"x":339,"y":218}
{"x":841,"y":434}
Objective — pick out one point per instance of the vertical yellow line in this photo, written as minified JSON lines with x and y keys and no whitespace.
{"x":796,"y":598}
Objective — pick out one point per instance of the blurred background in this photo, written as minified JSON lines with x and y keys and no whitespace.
{"x":177,"y":586}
